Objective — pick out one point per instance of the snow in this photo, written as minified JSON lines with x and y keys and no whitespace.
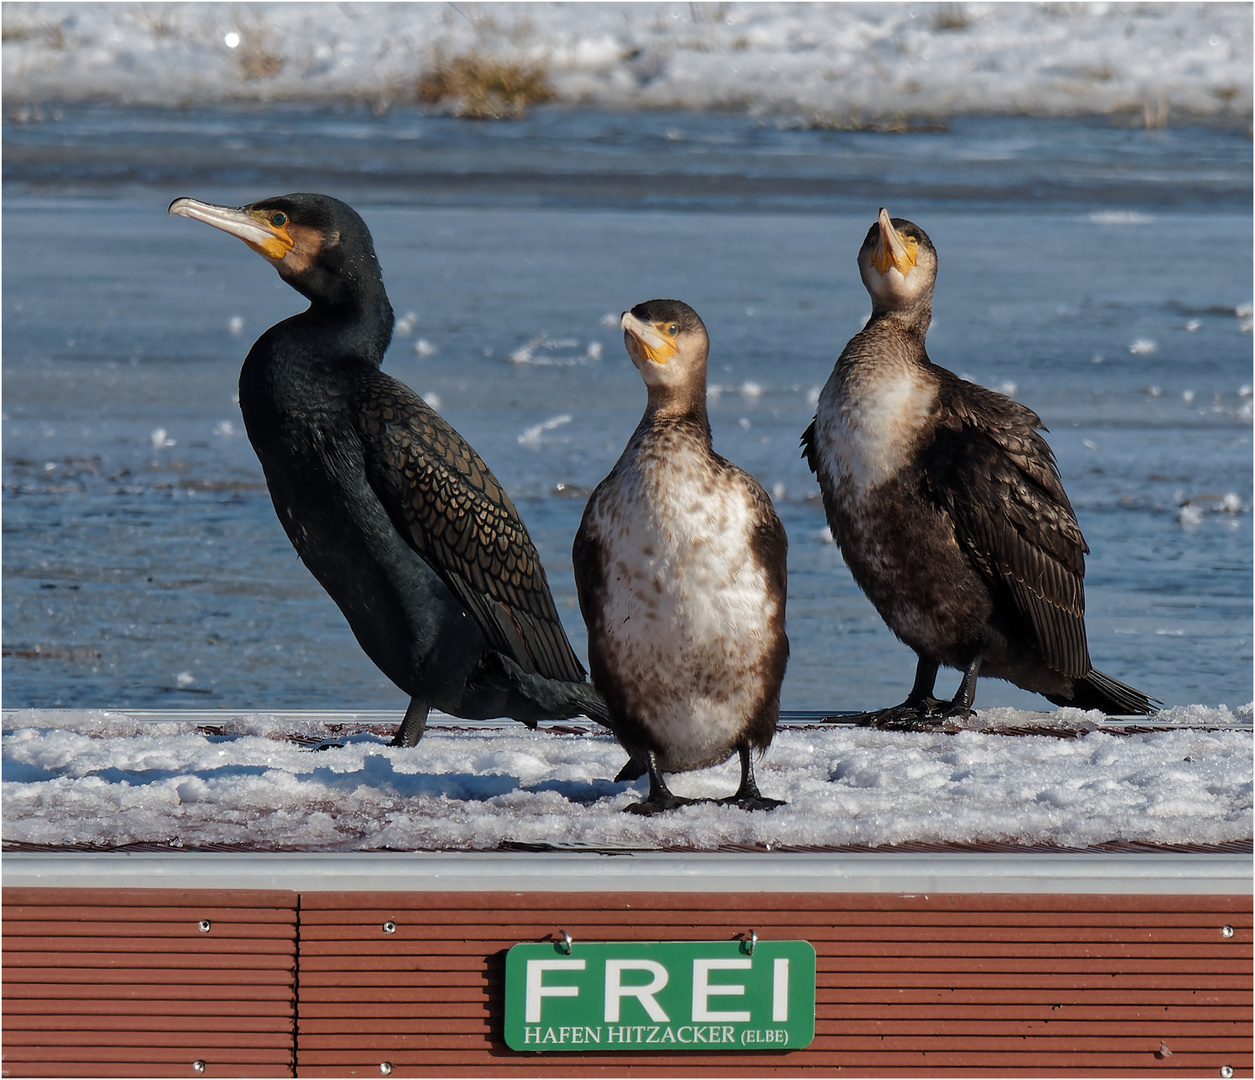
{"x":104,"y":779}
{"x":833,"y":64}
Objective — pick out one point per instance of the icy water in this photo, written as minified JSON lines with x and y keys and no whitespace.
{"x":1102,"y":276}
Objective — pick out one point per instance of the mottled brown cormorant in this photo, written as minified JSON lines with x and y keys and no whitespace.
{"x":389,"y":507}
{"x":680,"y":568}
{"x":948,"y":507}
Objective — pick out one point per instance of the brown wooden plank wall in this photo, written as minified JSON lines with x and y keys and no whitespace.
{"x":125,"y":982}
{"x":943,"y":985}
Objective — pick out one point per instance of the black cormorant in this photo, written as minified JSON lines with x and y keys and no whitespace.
{"x":389,"y":507}
{"x":680,"y":567}
{"x":948,"y":507}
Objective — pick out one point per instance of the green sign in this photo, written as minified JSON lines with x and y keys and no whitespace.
{"x":660,"y":995}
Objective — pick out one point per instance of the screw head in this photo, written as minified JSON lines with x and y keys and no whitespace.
{"x":389,"y":928}
{"x":385,"y":1067}
{"x":1226,"y":1071}
{"x":205,"y":926}
{"x":1227,"y":931}
{"x":198,"y":1066}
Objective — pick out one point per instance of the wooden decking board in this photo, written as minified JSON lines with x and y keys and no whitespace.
{"x":835,"y":914}
{"x":114,"y":1022}
{"x":1082,"y":984}
{"x":384,"y":1013}
{"x":127,"y":983}
{"x":171,"y":904}
{"x":560,"y":907}
{"x":193,"y":996}
{"x":1168,"y":974}
{"x":332,"y":953}
{"x":247,"y":1043}
{"x":125,"y":934}
{"x":931,"y":985}
{"x":819,"y":926}
{"x":122,"y":1067}
{"x":153,"y":975}
{"x":922,"y":1071}
{"x":176,"y":1053}
{"x":1083,"y":1062}
{"x":88,"y":1011}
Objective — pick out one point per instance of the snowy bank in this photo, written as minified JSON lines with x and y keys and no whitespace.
{"x":258,"y":782}
{"x":844,"y":64}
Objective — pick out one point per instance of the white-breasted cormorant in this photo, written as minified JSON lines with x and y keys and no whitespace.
{"x":391,"y":509}
{"x":948,"y":507}
{"x":680,"y":567}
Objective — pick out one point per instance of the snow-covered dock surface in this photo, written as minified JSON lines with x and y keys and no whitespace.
{"x":323,"y":783}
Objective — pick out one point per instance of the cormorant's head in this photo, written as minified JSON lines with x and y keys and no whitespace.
{"x":898,"y":263}
{"x":668,"y":344}
{"x":319,"y":245}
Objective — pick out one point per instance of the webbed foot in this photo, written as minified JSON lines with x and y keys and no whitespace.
{"x":756,"y":801}
{"x":659,"y":803}
{"x":660,"y":798}
{"x":929,"y":715}
{"x":747,"y":796}
{"x":923,"y":710}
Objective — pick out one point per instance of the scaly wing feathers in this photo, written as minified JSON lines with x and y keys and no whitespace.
{"x":450,"y":508}
{"x":997,"y":478}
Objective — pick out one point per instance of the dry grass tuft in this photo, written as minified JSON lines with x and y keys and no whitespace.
{"x":484,"y":88}
{"x":52,"y":33}
{"x":162,"y":21}
{"x":951,"y":17}
{"x":255,"y":54}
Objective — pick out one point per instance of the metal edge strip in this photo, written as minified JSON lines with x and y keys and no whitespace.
{"x":662,"y":872}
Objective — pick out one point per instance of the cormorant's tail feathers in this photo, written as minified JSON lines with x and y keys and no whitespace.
{"x":532,"y":697}
{"x":633,"y":770}
{"x":1099,"y":691}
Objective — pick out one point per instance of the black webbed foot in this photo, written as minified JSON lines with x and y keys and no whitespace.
{"x":747,"y":796}
{"x":660,"y":798}
{"x":659,"y":804}
{"x":911,"y":716}
{"x":923,"y":710}
{"x":755,"y":801}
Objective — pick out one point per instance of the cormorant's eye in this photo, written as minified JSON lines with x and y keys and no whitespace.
{"x":278,"y":219}
{"x":911,"y":242}
{"x":673,"y":329}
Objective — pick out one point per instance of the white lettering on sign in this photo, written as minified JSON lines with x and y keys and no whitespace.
{"x":704,"y":990}
{"x":616,"y":991}
{"x":535,"y":990}
{"x":780,"y":990}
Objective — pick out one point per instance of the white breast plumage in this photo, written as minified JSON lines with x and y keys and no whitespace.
{"x":866,"y":427}
{"x":687,"y":607}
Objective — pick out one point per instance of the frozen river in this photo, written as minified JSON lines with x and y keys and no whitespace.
{"x":1101,"y":275}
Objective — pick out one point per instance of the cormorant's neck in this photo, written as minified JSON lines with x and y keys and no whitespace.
{"x":912,"y":322}
{"x":672,"y":404}
{"x":361,"y":322}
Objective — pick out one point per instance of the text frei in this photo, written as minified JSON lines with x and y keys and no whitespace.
{"x":672,"y":999}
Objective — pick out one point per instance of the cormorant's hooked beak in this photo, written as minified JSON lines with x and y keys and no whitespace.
{"x":648,"y":341}
{"x":265,"y":231}
{"x":893,"y":249}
